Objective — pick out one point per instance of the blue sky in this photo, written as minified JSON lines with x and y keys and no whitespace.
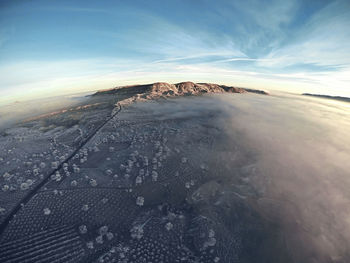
{"x":56,"y":47}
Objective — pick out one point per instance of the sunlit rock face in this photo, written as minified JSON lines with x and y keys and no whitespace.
{"x":214,"y":178}
{"x":163,"y":90}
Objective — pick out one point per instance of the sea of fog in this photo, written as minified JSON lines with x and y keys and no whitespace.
{"x":301,"y":149}
{"x":18,"y":111}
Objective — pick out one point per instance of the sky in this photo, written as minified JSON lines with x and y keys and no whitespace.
{"x":50,"y":48}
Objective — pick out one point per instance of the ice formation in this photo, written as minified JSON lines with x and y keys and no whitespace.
{"x":93,"y":182}
{"x":140,"y":200}
{"x":47,"y":211}
{"x":83,"y":229}
{"x":169,"y":226}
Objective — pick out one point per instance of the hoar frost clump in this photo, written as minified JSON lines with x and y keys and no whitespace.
{"x":140,"y":200}
{"x":2,"y":211}
{"x":137,"y":232}
{"x":83,"y":229}
{"x":93,"y":182}
{"x":211,"y":240}
{"x":169,"y":226}
{"x":47,"y":211}
{"x":85,"y":208}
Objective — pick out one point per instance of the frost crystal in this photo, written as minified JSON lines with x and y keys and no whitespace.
{"x":211,"y":233}
{"x":99,"y":240}
{"x":76,"y":169}
{"x":24,"y":186}
{"x":54,"y":165}
{"x":5,"y":188}
{"x":83,"y":229}
{"x":103,"y":230}
{"x":2,"y":211}
{"x":138,"y":180}
{"x":47,"y":211}
{"x":93,"y":182}
{"x":109,"y":235}
{"x":137,"y":232}
{"x":140,"y":200}
{"x":212,"y":240}
{"x":154,"y":176}
{"x":90,"y":245}
{"x":36,"y":171}
{"x":168,"y":226}
{"x":56,"y":177}
{"x":7,"y":176}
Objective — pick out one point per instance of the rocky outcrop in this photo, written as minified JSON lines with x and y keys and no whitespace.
{"x":157,"y":90}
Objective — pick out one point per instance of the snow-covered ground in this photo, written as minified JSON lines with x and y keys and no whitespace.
{"x":215,"y":178}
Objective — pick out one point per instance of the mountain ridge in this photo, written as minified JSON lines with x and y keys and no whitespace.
{"x":346,"y":99}
{"x":157,"y":90}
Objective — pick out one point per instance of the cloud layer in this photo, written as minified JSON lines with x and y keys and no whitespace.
{"x":60,"y":47}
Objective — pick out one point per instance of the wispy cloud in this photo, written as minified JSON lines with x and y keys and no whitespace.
{"x":283,"y":45}
{"x":322,"y":40}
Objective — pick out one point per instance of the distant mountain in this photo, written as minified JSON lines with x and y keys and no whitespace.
{"x":163,"y":89}
{"x":346,"y":99}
